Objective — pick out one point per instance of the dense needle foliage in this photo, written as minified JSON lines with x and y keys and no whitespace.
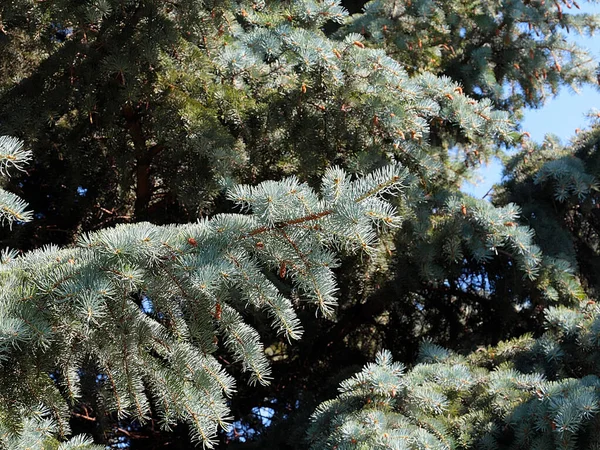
{"x":163,"y":291}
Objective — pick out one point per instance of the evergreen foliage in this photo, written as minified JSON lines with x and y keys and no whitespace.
{"x":534,"y":393}
{"x":184,"y":317}
{"x":135,"y":313}
{"x":12,"y":156}
{"x":147,"y":104}
{"x":562,"y":197}
{"x":528,"y":392}
{"x":513,"y":52}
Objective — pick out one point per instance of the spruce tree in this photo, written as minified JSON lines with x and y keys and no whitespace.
{"x":129,"y":319}
{"x":534,"y":393}
{"x":146,"y":104}
{"x":142,"y":111}
{"x":12,"y":157}
{"x":516,"y":53}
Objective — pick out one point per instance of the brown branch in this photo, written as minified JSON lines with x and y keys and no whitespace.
{"x":315,"y":216}
{"x":279,"y":225}
{"x":84,"y":417}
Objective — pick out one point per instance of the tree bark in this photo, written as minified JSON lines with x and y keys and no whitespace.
{"x":143,"y":161}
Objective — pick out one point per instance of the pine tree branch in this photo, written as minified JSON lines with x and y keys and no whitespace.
{"x":297,"y":221}
{"x":84,"y":417}
{"x":315,"y":216}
